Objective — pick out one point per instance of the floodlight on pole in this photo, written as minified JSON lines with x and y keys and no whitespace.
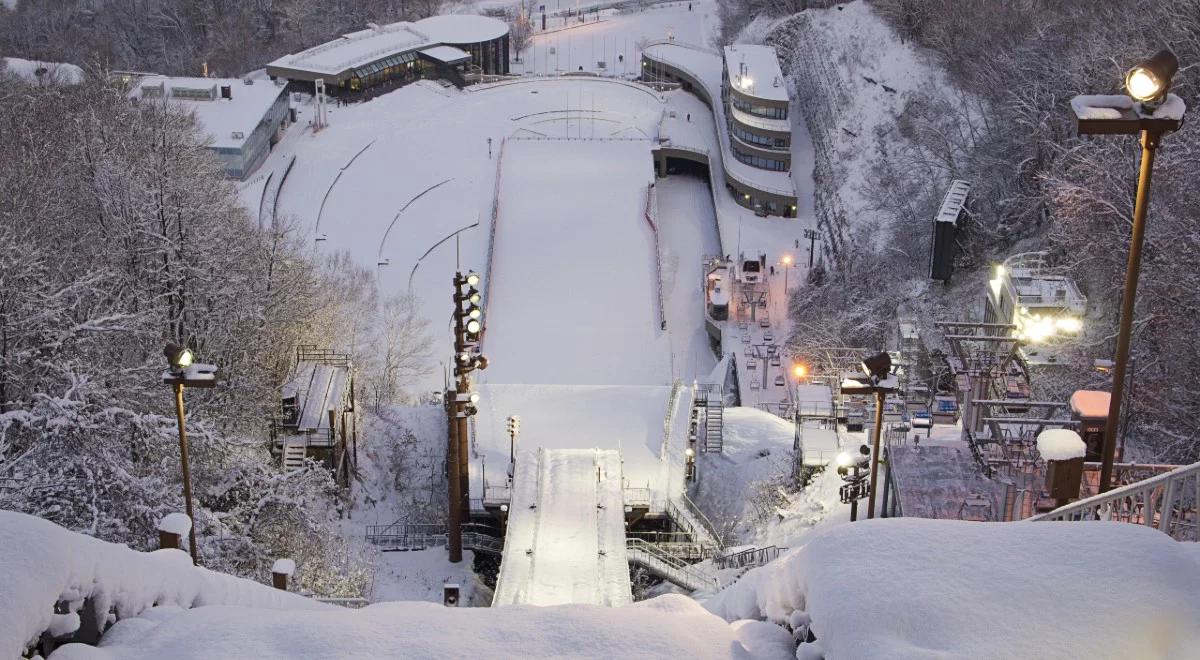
{"x":799,"y":371}
{"x":877,"y":366}
{"x":1150,"y":113}
{"x":1149,"y":81}
{"x":474,"y":326}
{"x":179,"y":357}
{"x":472,"y":278}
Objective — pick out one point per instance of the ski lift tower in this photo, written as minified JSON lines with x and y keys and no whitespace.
{"x":980,"y":353}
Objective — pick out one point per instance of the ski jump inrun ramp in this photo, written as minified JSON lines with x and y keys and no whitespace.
{"x":566,"y":531}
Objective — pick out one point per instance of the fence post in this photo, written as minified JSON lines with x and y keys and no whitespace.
{"x":281,"y":571}
{"x":171,"y":530}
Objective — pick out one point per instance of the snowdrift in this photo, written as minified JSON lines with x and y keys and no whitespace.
{"x":911,"y":588}
{"x":42,"y":563}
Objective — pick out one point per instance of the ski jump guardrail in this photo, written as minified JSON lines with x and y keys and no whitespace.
{"x":491,"y":253}
{"x":650,"y":214}
{"x":1169,"y":502}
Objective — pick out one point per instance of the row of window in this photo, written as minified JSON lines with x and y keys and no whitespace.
{"x":760,"y":162}
{"x":770,"y":112}
{"x":751,"y":138}
{"x":385,"y":64}
{"x":745,"y":199}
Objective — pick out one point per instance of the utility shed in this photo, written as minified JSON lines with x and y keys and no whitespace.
{"x":316,"y":415}
{"x":940,"y":481}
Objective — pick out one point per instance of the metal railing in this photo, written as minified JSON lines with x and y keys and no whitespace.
{"x":748,"y":558}
{"x":694,"y":512}
{"x":419,"y":536}
{"x":637,"y":497}
{"x":672,"y":569}
{"x":1167,"y":502}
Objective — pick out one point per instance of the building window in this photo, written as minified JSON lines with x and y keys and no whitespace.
{"x":751,"y":138}
{"x":766,"y":111}
{"x":760,"y":162}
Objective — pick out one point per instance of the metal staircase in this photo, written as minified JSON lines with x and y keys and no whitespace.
{"x":294,"y":452}
{"x":407,"y":537}
{"x":709,"y":400}
{"x":670,"y":568}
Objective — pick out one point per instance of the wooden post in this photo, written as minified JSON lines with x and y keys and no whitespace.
{"x":171,"y":530}
{"x":281,"y":570}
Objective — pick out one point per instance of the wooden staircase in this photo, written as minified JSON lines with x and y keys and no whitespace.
{"x":294,"y":452}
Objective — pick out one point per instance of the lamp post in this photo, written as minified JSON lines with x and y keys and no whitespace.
{"x":468,"y":330}
{"x":799,"y":370}
{"x":880,"y":382}
{"x":852,"y":491}
{"x":1149,"y":112}
{"x":181,"y":372}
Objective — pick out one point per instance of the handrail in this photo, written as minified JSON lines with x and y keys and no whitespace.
{"x":668,"y":567}
{"x":1167,"y":502}
{"x":704,"y":521}
{"x":650,"y":214}
{"x":748,"y":557}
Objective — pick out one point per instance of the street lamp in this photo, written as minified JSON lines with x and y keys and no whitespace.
{"x":878,"y":380}
{"x":182,"y":372}
{"x":1150,"y":112}
{"x":855,"y":488}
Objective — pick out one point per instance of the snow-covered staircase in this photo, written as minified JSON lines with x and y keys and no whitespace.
{"x":668,"y":567}
{"x":293,"y":455}
{"x":710,"y":401}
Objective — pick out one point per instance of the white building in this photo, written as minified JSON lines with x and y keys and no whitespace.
{"x":242,"y":118}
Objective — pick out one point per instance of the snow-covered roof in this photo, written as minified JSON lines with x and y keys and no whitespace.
{"x":357,"y":48}
{"x":754,"y":71}
{"x":1090,"y":404}
{"x":461,"y":28}
{"x":446,"y":54}
{"x":954,"y":201}
{"x":56,"y":72}
{"x":229,"y":122}
{"x":318,"y":388}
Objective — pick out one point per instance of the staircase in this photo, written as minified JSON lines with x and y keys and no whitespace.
{"x":408,"y":537}
{"x":711,"y":399}
{"x":294,"y":452}
{"x":668,"y":567}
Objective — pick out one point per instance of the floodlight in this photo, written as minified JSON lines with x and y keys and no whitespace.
{"x":464,"y":357}
{"x":1069,"y":324}
{"x":877,"y":366}
{"x":787,"y":260}
{"x":472,"y":278}
{"x":844,"y":459}
{"x":481,"y":362}
{"x":474,"y":326}
{"x":473,"y":297}
{"x":800,"y":371}
{"x":178,"y":356}
{"x":689,"y":452}
{"x":1149,"y":81}
{"x":474,"y":313}
{"x":474,"y":397}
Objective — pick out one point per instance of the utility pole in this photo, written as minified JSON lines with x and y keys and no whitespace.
{"x":468,"y":330}
{"x":811,"y":235}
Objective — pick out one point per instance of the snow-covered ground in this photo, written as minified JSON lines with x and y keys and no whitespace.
{"x":51,"y":72}
{"x":617,"y":39}
{"x":573,"y":292}
{"x":667,"y":627}
{"x":912,"y":588}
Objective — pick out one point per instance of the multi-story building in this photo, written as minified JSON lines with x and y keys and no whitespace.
{"x":756,"y":108}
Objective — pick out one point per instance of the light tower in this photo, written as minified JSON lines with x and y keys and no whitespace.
{"x":468,"y":330}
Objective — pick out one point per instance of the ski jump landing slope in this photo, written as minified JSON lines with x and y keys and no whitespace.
{"x":566,"y":531}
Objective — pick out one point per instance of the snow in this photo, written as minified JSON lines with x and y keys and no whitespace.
{"x":1100,"y":106}
{"x":42,"y":563}
{"x":284,"y":567}
{"x":229,"y":122}
{"x":629,"y":419}
{"x":55,"y":72}
{"x":356,"y":49}
{"x":1172,"y":108}
{"x":762,"y":78}
{"x":448,"y":54}
{"x":566,"y":531}
{"x":1060,"y":445}
{"x":175,"y":523}
{"x":955,"y":589}
{"x":575,"y":269}
{"x":461,"y":28}
{"x":669,"y":626}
